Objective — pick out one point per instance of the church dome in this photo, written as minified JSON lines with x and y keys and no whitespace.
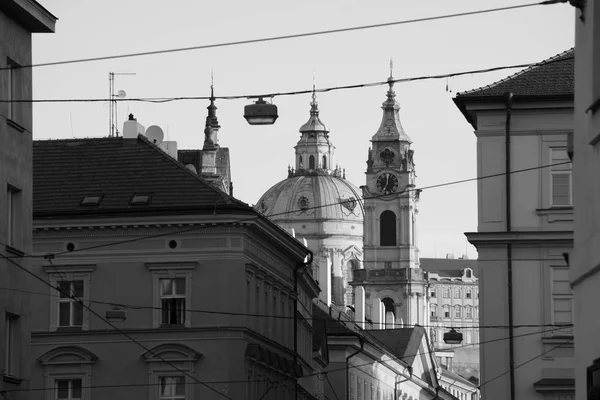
{"x":313,"y":197}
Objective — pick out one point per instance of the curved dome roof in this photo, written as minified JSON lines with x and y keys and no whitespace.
{"x":311,"y":197}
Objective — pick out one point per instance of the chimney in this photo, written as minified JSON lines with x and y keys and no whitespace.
{"x":132,"y":128}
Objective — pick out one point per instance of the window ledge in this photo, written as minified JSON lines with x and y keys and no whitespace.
{"x":15,"y":125}
{"x":16,"y":252}
{"x":172,"y":326}
{"x":566,"y":340}
{"x":555,"y":210}
{"x":11,"y":379}
{"x":69,"y":329}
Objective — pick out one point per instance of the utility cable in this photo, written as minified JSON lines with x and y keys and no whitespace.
{"x":285,"y":37}
{"x":455,"y":325}
{"x":252,"y":218}
{"x":296,"y":92}
{"x":80,"y":302}
{"x":526,"y":362}
{"x":399,"y":358}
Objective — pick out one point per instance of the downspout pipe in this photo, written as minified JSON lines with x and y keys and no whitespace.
{"x":298,"y":272}
{"x":508,"y":100}
{"x":362,"y":347}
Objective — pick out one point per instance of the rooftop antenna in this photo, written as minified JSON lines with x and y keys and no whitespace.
{"x":112,"y":116}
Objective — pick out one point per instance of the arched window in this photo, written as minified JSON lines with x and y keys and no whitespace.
{"x":468,"y":274}
{"x":389,"y":313}
{"x":311,"y":162}
{"x":324,"y":162}
{"x":300,"y":161}
{"x":387,"y":228}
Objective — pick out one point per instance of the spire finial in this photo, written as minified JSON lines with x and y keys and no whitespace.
{"x":314,"y":105}
{"x":212,"y":83}
{"x":391,"y":67}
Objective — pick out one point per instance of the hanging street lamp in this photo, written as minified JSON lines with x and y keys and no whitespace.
{"x":261,"y":113}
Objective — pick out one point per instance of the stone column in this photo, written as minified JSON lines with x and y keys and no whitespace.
{"x":359,"y":306}
{"x":377,"y":313}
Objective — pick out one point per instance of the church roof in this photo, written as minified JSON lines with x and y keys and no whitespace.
{"x":391,"y":127}
{"x":115,"y":169}
{"x":551,"y":77}
{"x":312,"y":198}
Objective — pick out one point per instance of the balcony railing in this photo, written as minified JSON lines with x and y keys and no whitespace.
{"x":392,"y":274}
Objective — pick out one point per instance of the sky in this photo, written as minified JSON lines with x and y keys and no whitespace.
{"x":444,"y":143}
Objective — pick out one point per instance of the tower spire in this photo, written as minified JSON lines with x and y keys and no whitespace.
{"x":314,"y":106}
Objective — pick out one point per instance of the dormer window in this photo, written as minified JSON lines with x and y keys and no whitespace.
{"x":468,"y":272}
{"x":140,"y":200}
{"x":91,"y":200}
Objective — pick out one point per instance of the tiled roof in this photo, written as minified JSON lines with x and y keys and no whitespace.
{"x":457,"y":377}
{"x":551,"y":77}
{"x":449,"y":266}
{"x":332,"y":325}
{"x":66,"y":171}
{"x":402,"y":342}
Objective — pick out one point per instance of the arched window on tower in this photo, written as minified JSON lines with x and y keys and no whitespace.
{"x":324,"y":162}
{"x":300,"y":165}
{"x":351,"y":265}
{"x":311,"y":162}
{"x":387,"y":228}
{"x":389,"y":312}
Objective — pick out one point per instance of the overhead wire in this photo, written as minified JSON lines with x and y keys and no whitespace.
{"x":455,"y":325}
{"x":315,"y":374}
{"x":286,"y":37}
{"x":255,"y":217}
{"x":297,"y":92}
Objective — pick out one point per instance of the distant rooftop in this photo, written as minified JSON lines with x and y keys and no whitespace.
{"x":449,"y":266}
{"x":108,"y":175}
{"x":551,"y":77}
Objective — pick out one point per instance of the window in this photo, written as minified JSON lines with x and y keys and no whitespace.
{"x":14,"y":91}
{"x":468,"y":293}
{"x":457,"y":312}
{"x":172,"y":286}
{"x":446,"y":293}
{"x":172,"y":301}
{"x":387,"y":228}
{"x":311,"y":162}
{"x":468,"y":273}
{"x":324,"y":162}
{"x":469,"y":312}
{"x":560,"y":178}
{"x":68,"y":389}
{"x":12,"y":216}
{"x":432,"y":293}
{"x":446,"y":311}
{"x":73,"y":280}
{"x":562,"y":298}
{"x":172,"y":387}
{"x":433,"y":310}
{"x":457,"y":293}
{"x":11,"y":357}
{"x":70,"y":311}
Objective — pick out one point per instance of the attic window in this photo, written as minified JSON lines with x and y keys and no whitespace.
{"x":91,"y":200}
{"x":139,"y":200}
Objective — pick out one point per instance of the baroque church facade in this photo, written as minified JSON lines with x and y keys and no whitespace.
{"x":364,"y":240}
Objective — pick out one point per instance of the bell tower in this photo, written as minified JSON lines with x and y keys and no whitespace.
{"x":393,"y":283}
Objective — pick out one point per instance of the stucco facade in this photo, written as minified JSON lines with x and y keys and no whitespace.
{"x":527,"y":234}
{"x":19,"y":19}
{"x":585,"y":259}
{"x":210,"y":300}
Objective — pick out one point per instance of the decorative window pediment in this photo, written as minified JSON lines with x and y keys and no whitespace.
{"x":68,"y":355}
{"x":171,"y":352}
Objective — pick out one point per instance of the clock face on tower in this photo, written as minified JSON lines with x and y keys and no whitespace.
{"x":387,"y":183}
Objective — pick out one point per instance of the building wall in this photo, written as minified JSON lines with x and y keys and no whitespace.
{"x":545,"y":232}
{"x":233,"y":275}
{"x":16,"y":183}
{"x":586,"y":256}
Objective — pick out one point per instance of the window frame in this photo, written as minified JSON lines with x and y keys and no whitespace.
{"x":71,"y":302}
{"x":446,"y":293}
{"x":457,"y":292}
{"x":468,"y":312}
{"x":457,"y":311}
{"x":468,"y":293}
{"x":446,"y":311}
{"x":12,"y":342}
{"x":566,"y":169}
{"x":554,"y":297}
{"x":15,"y":83}
{"x":171,"y":270}
{"x":13,"y":215}
{"x":70,"y":388}
{"x":433,"y":309}
{"x":59,"y":273}
{"x":172,"y":375}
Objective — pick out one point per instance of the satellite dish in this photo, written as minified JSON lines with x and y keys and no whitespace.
{"x":155,"y":134}
{"x":121,"y":94}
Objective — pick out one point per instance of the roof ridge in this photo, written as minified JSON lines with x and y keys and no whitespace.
{"x":229,"y":199}
{"x":555,"y":58}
